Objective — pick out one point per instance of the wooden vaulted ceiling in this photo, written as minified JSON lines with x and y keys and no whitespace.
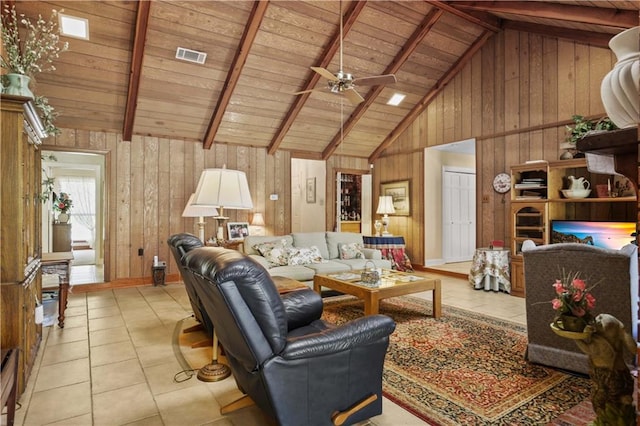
{"x":126,"y":78}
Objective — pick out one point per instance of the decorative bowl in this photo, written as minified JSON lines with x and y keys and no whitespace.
{"x":576,"y":193}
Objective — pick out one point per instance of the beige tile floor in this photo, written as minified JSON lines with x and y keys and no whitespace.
{"x":113,"y":363}
{"x":84,"y":269}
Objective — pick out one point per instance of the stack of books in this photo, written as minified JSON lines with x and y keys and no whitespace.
{"x":528,"y":183}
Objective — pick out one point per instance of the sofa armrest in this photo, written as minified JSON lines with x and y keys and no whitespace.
{"x":356,"y":333}
{"x":302,"y":307}
{"x":373,"y":254}
{"x":261,"y":260}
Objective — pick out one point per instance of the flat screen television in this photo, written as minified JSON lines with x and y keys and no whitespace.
{"x":612,"y":235}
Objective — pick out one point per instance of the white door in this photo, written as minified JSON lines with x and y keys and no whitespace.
{"x":458,"y":214}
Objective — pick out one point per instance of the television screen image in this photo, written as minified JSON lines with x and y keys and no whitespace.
{"x":612,"y":235}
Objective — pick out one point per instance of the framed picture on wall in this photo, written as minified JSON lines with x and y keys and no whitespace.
{"x":399,"y":191}
{"x":311,"y":190}
{"x":238,"y":230}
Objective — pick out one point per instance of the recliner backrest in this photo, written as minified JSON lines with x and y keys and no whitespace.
{"x":244,"y":298}
{"x":180,"y":245}
{"x":615,"y":276}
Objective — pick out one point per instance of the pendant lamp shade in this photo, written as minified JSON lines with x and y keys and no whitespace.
{"x":223,"y":188}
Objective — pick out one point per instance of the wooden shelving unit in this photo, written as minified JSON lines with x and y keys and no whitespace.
{"x":537,"y":199}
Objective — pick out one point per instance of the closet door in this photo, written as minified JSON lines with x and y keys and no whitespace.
{"x":458,"y":215}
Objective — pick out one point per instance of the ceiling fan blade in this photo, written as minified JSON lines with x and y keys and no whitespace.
{"x":325,"y":73}
{"x":353,"y":96}
{"x":309,"y":91}
{"x":376,"y":80}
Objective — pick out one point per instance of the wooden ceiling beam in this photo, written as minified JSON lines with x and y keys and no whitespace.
{"x":137,"y":55}
{"x":350,"y":18}
{"x":412,"y":43}
{"x":488,"y":21}
{"x":239,"y":60}
{"x":437,"y":88}
{"x":616,"y":18}
{"x":585,"y":37}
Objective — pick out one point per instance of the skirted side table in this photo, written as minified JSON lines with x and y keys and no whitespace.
{"x":392,"y":249}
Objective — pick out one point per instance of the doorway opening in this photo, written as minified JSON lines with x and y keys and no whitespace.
{"x":81,"y":176}
{"x":456,"y":156}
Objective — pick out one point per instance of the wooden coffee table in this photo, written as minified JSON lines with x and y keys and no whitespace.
{"x":392,"y":284}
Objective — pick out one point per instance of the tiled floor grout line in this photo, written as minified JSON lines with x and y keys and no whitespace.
{"x":136,"y":306}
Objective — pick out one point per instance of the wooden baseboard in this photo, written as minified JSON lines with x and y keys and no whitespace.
{"x":124,"y":283}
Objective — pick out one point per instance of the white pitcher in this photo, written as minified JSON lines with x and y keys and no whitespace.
{"x":576,"y":184}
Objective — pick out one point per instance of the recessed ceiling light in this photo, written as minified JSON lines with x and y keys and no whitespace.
{"x":72,"y":26}
{"x":396,"y":99}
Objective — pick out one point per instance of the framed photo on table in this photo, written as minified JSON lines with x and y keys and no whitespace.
{"x":238,"y":230}
{"x":399,"y":192}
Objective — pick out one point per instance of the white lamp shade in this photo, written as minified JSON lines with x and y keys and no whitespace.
{"x":257,"y":220}
{"x":385,"y":205}
{"x":192,"y":210}
{"x":223,"y":188}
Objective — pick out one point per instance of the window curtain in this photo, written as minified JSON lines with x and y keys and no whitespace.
{"x":82,"y":191}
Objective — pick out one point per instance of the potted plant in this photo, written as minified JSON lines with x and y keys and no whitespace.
{"x":29,"y":48}
{"x":582,"y":127}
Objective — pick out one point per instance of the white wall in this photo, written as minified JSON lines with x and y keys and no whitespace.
{"x":308,"y":217}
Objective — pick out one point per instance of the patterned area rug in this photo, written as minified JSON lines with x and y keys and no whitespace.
{"x":464,"y":368}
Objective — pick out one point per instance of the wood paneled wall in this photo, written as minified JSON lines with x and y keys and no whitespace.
{"x":515,"y":97}
{"x":149,"y":181}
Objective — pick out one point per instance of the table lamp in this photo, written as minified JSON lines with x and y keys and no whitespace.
{"x":225,"y":189}
{"x":191,"y":210}
{"x":385,"y":207}
{"x":257,"y":221}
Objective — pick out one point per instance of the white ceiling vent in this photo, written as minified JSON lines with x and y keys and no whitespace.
{"x":191,"y":55}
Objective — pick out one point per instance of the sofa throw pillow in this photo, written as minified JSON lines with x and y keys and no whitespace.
{"x":304,"y":256}
{"x":351,"y":251}
{"x":276,"y":253}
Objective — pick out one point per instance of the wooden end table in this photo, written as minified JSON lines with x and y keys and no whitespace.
{"x":287,"y":285}
{"x":392,"y":284}
{"x":59,"y":263}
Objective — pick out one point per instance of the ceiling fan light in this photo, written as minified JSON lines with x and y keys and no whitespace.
{"x":396,"y":99}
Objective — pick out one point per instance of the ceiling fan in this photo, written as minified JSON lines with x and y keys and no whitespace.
{"x":345,"y":83}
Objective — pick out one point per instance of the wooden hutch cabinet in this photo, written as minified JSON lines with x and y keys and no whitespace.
{"x":20,"y":230}
{"x":537,"y":200}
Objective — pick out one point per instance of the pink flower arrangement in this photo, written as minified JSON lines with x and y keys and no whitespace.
{"x":62,"y":203}
{"x":573,"y":297}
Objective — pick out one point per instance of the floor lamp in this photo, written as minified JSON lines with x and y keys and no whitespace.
{"x":385,"y":207}
{"x":214,"y":371}
{"x":200,"y":212}
{"x":229,"y":189}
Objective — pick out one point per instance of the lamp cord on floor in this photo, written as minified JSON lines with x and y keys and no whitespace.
{"x":187,"y":371}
